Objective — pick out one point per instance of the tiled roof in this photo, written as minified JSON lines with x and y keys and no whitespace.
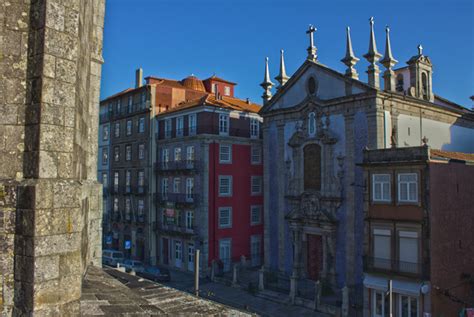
{"x":452,"y":155}
{"x":210,"y":100}
{"x":119,"y":93}
{"x":214,"y":77}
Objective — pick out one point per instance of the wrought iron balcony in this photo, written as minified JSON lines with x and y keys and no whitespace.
{"x":395,"y":266}
{"x":174,"y":228}
{"x":180,"y":199}
{"x":181,"y":165}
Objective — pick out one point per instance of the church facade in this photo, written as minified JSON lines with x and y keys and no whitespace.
{"x":316,"y":127}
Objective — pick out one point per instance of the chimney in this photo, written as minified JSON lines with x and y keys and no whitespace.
{"x":138,"y":78}
{"x":472,"y":98}
{"x":247,"y":101}
{"x":216,"y":92}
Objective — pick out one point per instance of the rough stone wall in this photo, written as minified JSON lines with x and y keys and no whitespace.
{"x":50,"y":201}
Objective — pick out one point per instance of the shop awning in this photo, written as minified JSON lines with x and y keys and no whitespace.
{"x":399,"y":286}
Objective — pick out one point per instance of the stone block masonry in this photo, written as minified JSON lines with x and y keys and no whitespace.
{"x":50,"y":201}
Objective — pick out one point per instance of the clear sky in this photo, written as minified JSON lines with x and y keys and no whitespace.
{"x":173,"y":39}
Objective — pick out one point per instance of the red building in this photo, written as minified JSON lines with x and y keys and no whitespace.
{"x":209,"y":178}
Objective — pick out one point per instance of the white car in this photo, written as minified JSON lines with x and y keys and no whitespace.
{"x":134,"y":265}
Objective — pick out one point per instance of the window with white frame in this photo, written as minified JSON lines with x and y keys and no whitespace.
{"x":227,"y":90}
{"x":105,"y":155}
{"x":408,"y":306}
{"x":225,"y":185}
{"x":117,"y":130}
{"x":255,"y":215}
{"x":256,"y":154}
{"x":225,"y":153}
{"x":189,"y":219}
{"x":165,"y":158}
{"x":128,"y":180}
{"x":141,"y":208}
{"x":382,"y":248}
{"x":180,"y":126}
{"x":311,"y":123}
{"x":141,"y":125}
{"x":223,"y":124}
{"x":256,"y":185}
{"x":164,"y":188}
{"x":408,"y":251}
{"x":116,"y":181}
{"x":141,"y":179}
{"x":116,"y":154}
{"x":408,"y":187}
{"x":189,"y":188}
{"x":128,"y":152}
{"x":190,"y":153}
{"x":167,"y":128}
{"x":105,"y":179}
{"x":141,"y":151}
{"x":225,"y":217}
{"x":105,"y":132}
{"x":214,"y":88}
{"x":116,"y":204}
{"x":192,"y":124}
{"x":130,"y":104}
{"x":380,"y":304}
{"x":176,"y":184}
{"x":254,"y":128}
{"x":127,"y":208}
{"x":119,"y":105}
{"x":177,"y":154}
{"x":381,"y":187}
{"x":129,"y":127}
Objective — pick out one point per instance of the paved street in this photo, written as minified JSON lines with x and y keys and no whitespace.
{"x":237,"y":297}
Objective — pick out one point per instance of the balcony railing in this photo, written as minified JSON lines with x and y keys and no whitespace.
{"x":372,"y":264}
{"x":208,"y":129}
{"x":174,"y":228}
{"x":181,"y":165}
{"x":185,"y":199}
{"x":125,"y":189}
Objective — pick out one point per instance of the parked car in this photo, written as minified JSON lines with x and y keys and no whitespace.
{"x":134,"y":265}
{"x":112,"y":257}
{"x":156,"y":274}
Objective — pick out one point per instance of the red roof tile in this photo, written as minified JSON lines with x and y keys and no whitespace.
{"x":451,"y":155}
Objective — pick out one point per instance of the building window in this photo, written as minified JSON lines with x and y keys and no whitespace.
{"x":400,"y":83}
{"x":105,"y":155}
{"x":408,"y":187}
{"x":190,"y":154}
{"x":311,"y":123}
{"x":226,"y":90}
{"x":189,"y":219}
{"x":168,"y":128}
{"x":192,"y":124}
{"x":408,"y":251}
{"x":255,"y":250}
{"x":141,"y":181}
{"x":223,"y":124}
{"x":129,"y":127}
{"x":177,"y":154}
{"x":128,"y":181}
{"x":424,"y":86}
{"x":225,"y":186}
{"x":119,"y":107}
{"x":164,"y":188}
{"x":179,"y":126}
{"x":105,"y":180}
{"x":255,"y":215}
{"x":178,"y":252}
{"x":189,"y":189}
{"x":130,"y":104}
{"x":116,"y":204}
{"x":105,"y":132}
{"x":117,"y":130}
{"x":408,"y":306}
{"x":256,"y":185}
{"x":214,"y":88}
{"x":141,"y":151}
{"x":380,"y":305}
{"x":225,"y":252}
{"x":116,"y":181}
{"x":127,"y":209}
{"x":225,"y":217}
{"x":382,"y":248}
{"x":256,"y":154}
{"x":165,"y":158}
{"x":143,"y":100}
{"x":225,"y":153}
{"x":381,"y":187}
{"x":176,"y":184}
{"x":141,"y":210}
{"x":116,"y":154}
{"x":128,"y":152}
{"x":141,"y":125}
{"x":254,"y":128}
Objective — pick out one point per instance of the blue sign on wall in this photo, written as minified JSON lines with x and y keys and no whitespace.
{"x":108,"y":239}
{"x":128,"y":244}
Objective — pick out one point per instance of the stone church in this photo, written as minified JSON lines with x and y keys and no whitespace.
{"x":316,"y":127}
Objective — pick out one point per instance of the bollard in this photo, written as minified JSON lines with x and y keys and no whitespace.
{"x":317,"y":294}
{"x":196,"y":273}
{"x":345,"y":301}
{"x":213,"y":270}
{"x":292,"y":288}
{"x":234,"y":275}
{"x":261,"y":273}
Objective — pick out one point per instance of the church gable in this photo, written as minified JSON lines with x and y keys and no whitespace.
{"x":314,"y":79}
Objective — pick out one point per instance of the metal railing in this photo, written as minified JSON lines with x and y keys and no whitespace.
{"x":208,"y":129}
{"x":375,"y":264}
{"x":180,"y":165}
{"x":176,"y":228}
{"x":177,"y":198}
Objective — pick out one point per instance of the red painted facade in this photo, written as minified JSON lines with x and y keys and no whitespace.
{"x":241,"y":201}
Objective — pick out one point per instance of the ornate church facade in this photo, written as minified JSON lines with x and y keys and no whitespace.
{"x":315,"y":129}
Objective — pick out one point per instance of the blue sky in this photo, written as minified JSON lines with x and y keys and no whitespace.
{"x":173,"y":39}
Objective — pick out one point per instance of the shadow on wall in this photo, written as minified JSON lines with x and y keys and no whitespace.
{"x":462,"y":137}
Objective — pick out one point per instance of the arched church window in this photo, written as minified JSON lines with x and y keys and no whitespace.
{"x":311,"y":123}
{"x":312,"y":167}
{"x":400,"y":83}
{"x":424,"y":85}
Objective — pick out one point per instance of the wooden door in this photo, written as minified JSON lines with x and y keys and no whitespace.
{"x":165,"y":251}
{"x":315,"y":256}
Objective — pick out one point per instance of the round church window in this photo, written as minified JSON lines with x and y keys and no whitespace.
{"x":312,"y":86}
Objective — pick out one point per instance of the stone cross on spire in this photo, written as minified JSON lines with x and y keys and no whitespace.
{"x":266,"y":84}
{"x":373,"y":57}
{"x":311,"y":49}
{"x":350,"y":60}
{"x":420,"y":49}
{"x":388,"y":62}
{"x":282,"y":78}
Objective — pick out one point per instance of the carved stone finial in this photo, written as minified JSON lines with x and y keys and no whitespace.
{"x":373,"y":57}
{"x":388,"y":61}
{"x":425,"y":141}
{"x":350,"y":60}
{"x":282,"y":78}
{"x":266,"y":84}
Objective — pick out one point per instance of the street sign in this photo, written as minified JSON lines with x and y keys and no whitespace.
{"x":108,"y":239}
{"x":128,"y":244}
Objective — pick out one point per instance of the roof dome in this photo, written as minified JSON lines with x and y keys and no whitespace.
{"x":192,"y":82}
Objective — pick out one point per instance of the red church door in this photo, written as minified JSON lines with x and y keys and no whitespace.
{"x":315,"y":256}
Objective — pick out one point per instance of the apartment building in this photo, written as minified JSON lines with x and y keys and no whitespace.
{"x":209,"y":180}
{"x":418,"y":232}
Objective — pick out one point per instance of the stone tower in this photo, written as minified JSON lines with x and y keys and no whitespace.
{"x":50,"y":201}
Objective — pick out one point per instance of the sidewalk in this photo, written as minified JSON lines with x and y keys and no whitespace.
{"x":237,"y":297}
